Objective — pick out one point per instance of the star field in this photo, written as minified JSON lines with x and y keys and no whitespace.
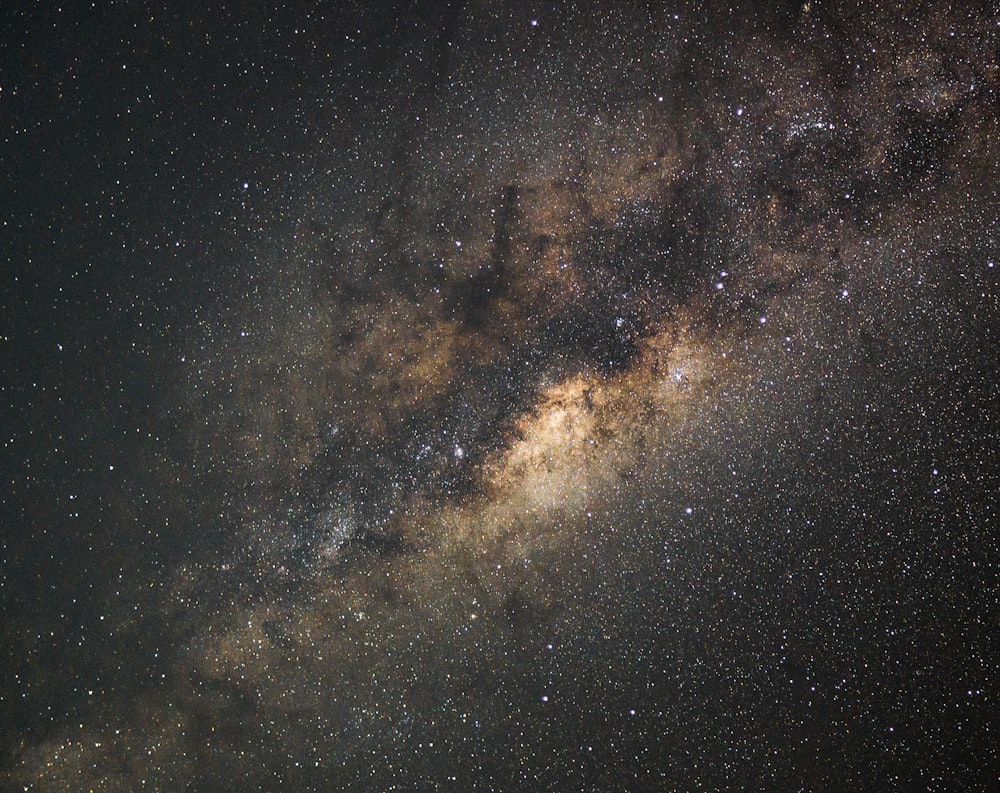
{"x":489,"y":396}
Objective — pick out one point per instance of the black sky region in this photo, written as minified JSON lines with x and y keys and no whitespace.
{"x":499,"y":396}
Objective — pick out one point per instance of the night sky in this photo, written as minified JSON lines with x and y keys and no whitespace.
{"x":499,"y":396}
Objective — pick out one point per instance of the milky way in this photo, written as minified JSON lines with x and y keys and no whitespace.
{"x":581,"y":398}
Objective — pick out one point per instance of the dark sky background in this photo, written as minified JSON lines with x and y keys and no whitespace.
{"x":499,"y":396}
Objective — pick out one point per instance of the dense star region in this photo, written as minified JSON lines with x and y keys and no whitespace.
{"x":497,"y":396}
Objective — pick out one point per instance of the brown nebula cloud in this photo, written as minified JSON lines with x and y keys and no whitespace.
{"x":551,"y":235}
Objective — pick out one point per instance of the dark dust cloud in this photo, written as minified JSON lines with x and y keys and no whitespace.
{"x":496,"y":396}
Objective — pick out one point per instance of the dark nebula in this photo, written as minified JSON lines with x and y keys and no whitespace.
{"x":487,"y":396}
